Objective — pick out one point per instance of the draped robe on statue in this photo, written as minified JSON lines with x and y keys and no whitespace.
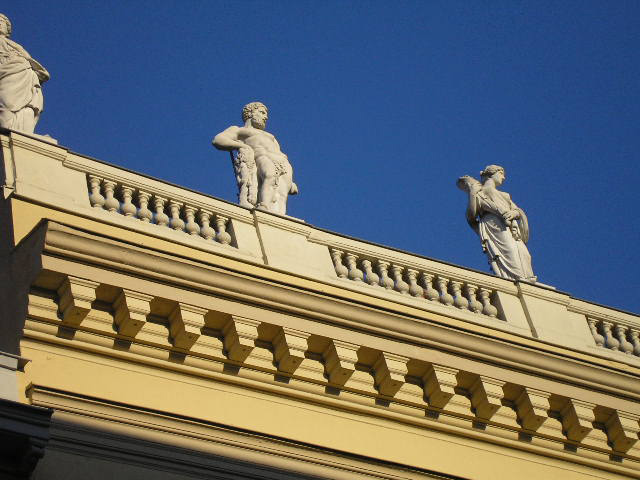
{"x":504,"y":244}
{"x":21,"y":99}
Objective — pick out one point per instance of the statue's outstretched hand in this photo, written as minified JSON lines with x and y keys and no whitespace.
{"x":294,"y":189}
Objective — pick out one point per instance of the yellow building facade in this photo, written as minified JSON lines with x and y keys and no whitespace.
{"x":150,"y":331}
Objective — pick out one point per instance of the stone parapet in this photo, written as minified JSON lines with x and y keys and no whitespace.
{"x":78,"y":187}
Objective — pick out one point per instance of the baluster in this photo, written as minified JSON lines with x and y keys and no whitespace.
{"x":487,"y":308}
{"x":445,"y":297}
{"x":341,"y":270}
{"x":609,"y":340}
{"x":175,"y":222}
{"x":370,"y":277}
{"x":474,"y":305}
{"x":144,"y":214}
{"x":192,"y":228}
{"x":111,"y":203}
{"x":593,"y":326}
{"x":385,"y":280}
{"x":400,"y":284}
{"x":352,"y":263}
{"x":621,"y":333}
{"x":95,"y":198}
{"x":414,"y":289}
{"x":206,"y":231}
{"x":635,"y":339}
{"x":128,"y":208}
{"x":427,"y":282}
{"x":459,"y":301}
{"x":161,"y":218}
{"x":222,"y":236}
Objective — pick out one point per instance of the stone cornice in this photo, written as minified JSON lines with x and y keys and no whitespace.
{"x":399,"y":323}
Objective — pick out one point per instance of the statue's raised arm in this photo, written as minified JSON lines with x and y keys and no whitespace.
{"x":502,"y":226}
{"x":263,"y":171}
{"x":228,"y":139}
{"x":21,"y":76}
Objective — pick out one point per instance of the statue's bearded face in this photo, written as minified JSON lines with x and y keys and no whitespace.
{"x":259,"y":118}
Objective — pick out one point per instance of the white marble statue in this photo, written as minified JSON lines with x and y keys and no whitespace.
{"x":501,"y":224}
{"x":263,"y":172}
{"x":21,"y":100}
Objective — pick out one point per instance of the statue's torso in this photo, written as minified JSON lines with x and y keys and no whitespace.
{"x":502,"y":200}
{"x":11,"y":51}
{"x":262,"y":143}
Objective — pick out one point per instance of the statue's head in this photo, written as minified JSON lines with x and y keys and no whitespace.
{"x":257,"y":112}
{"x":5,"y":25}
{"x":495,"y":172}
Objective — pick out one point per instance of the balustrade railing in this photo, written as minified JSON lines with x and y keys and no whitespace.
{"x":156,"y":208}
{"x":615,"y":336}
{"x":415,"y":282}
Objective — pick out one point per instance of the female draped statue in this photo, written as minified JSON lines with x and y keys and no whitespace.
{"x":21,"y":98}
{"x":500,"y":223}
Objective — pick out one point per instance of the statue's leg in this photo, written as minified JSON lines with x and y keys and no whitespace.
{"x":286,"y":184}
{"x":267,"y":183}
{"x":283,"y":191}
{"x":253,"y":186}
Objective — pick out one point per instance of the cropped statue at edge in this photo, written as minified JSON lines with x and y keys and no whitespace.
{"x":500,"y":223}
{"x":21,"y":100}
{"x":263,"y":172}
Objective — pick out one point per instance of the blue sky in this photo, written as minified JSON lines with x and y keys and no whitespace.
{"x":380,"y":106}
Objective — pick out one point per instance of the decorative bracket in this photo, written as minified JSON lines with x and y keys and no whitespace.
{"x":131,"y":310}
{"x":289,"y":346}
{"x":185,"y":324}
{"x":532,"y":407}
{"x":438,"y":384}
{"x":486,"y":396}
{"x":577,"y":419}
{"x":389,"y":371}
{"x":240,"y":335}
{"x":76,"y":296}
{"x":340,"y":359}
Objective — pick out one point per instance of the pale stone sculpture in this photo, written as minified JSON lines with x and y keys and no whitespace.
{"x":21,"y":100}
{"x":263,"y":172}
{"x":500,"y":223}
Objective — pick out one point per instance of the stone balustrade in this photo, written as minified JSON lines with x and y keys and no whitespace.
{"x":615,"y":336}
{"x":154,"y":207}
{"x":415,"y":282}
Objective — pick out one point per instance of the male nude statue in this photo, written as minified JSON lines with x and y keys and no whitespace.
{"x":263,"y":172}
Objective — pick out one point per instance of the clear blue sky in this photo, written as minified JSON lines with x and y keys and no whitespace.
{"x":380,"y":106}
